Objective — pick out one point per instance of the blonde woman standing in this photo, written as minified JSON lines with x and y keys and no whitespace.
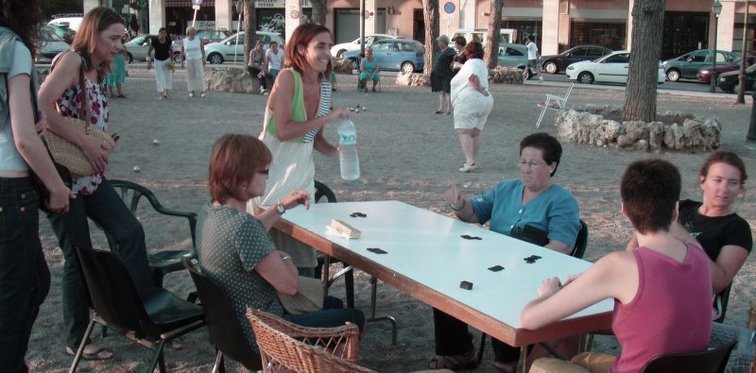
{"x":193,"y":54}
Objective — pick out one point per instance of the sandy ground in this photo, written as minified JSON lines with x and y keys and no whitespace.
{"x":408,"y":154}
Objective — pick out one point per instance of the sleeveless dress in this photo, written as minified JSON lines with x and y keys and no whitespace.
{"x":69,"y":105}
{"x":370,"y":72}
{"x":292,"y":167}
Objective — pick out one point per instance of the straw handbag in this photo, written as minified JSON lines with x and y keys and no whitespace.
{"x":71,"y":156}
{"x":66,"y":153}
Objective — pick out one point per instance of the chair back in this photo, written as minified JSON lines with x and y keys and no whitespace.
{"x":709,"y":361}
{"x":131,"y":193}
{"x":112,"y":292}
{"x":322,"y":190}
{"x":581,"y":242}
{"x":284,"y":345}
{"x":720,"y":303}
{"x":222,"y":323}
{"x":569,"y":90}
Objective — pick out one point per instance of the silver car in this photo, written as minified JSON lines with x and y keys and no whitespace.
{"x":50,"y":44}
{"x":224,"y":50}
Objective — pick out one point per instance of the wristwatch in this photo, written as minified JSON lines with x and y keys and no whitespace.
{"x":280,"y":207}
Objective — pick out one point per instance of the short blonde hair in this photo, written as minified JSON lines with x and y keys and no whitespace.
{"x":191,"y":29}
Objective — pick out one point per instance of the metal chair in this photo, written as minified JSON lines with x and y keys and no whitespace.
{"x":222,"y":323}
{"x":324,"y":261}
{"x":164,"y":261}
{"x":713,"y":360}
{"x":553,"y":103}
{"x":720,"y":303}
{"x":289,"y":347}
{"x":150,"y":318}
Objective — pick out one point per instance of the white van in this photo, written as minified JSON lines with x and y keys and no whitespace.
{"x":71,"y":22}
{"x":508,"y":35}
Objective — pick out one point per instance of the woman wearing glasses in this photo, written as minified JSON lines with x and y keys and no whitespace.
{"x":532,"y":208}
{"x":234,"y":247}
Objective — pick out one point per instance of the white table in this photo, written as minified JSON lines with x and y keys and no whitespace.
{"x":427,"y":259}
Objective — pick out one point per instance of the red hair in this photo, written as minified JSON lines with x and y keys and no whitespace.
{"x":234,"y":160}
{"x":301,"y":37}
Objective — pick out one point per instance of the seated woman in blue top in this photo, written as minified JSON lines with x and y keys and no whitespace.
{"x":234,"y":247}
{"x":369,"y":70}
{"x":531,"y":208}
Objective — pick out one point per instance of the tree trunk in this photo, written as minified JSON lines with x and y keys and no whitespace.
{"x":250,"y":28}
{"x":430,"y":16}
{"x":744,"y":50}
{"x":319,"y":11}
{"x":640,"y":96}
{"x":494,"y":34}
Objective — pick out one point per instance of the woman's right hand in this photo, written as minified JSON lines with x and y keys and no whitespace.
{"x":97,"y":153}
{"x":453,"y":196}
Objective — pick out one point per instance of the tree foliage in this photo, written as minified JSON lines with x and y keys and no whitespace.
{"x":494,"y":35}
{"x":640,"y":95}
{"x":430,"y":16}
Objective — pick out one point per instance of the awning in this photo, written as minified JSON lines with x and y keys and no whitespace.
{"x":187,"y":3}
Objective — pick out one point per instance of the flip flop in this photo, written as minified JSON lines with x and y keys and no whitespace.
{"x":455,"y":362}
{"x":98,"y":354}
{"x":437,"y":112}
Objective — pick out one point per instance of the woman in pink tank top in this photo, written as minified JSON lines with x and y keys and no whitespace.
{"x":651,"y":316}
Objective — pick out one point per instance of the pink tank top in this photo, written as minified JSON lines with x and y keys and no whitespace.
{"x":671,"y":312}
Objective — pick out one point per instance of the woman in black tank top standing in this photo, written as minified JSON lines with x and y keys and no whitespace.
{"x":163,"y":67}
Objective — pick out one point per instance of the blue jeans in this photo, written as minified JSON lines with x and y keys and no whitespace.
{"x":333,"y":314}
{"x":106,"y":209}
{"x":24,"y":276}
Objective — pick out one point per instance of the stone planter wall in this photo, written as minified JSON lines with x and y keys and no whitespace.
{"x":230,"y":79}
{"x":679,"y":131}
{"x":412,"y":80}
{"x":506,"y":75}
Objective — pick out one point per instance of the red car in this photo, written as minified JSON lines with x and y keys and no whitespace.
{"x":704,"y":75}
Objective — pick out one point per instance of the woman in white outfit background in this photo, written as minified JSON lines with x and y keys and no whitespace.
{"x":472,"y":103}
{"x":193,"y":55}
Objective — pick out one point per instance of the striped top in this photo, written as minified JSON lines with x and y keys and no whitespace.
{"x":299,"y":114}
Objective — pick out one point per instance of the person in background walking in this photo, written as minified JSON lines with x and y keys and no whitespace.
{"x":24,"y":276}
{"x":163,"y":73}
{"x":256,"y":66}
{"x":193,"y":54}
{"x":117,"y":77}
{"x":472,"y":103}
{"x":533,"y":55}
{"x":442,"y":74}
{"x":274,"y":60}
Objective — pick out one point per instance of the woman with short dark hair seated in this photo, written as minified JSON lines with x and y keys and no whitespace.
{"x":661,"y":289}
{"x":234,"y":247}
{"x":532,"y":208}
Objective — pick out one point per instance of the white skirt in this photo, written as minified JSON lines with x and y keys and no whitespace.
{"x":471,"y":109}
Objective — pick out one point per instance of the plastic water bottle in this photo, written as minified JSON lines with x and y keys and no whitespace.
{"x":350,"y":161}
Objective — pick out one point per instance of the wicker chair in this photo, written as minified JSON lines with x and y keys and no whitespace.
{"x":287,"y":347}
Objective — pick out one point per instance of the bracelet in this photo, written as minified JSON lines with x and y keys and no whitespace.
{"x":460,"y":208}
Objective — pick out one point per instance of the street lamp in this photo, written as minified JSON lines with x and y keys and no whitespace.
{"x":716,"y":8}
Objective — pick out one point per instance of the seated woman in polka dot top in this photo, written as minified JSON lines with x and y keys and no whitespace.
{"x":234,"y":247}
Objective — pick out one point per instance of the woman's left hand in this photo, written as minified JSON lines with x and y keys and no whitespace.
{"x":549,"y":287}
{"x":296,"y":198}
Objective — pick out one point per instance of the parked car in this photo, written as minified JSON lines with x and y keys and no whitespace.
{"x":67,"y":20}
{"x":64,"y":32}
{"x":50,"y":44}
{"x":338,"y":50}
{"x":506,"y":35}
{"x":612,"y":68}
{"x":687,"y":65}
{"x":729,"y":81}
{"x":217,"y":53}
{"x":515,"y":55}
{"x":393,"y":54}
{"x":136,"y":48}
{"x":553,"y":64}
{"x":212,"y":35}
{"x":704,"y":75}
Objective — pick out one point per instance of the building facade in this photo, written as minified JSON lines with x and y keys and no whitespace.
{"x":556,"y":24}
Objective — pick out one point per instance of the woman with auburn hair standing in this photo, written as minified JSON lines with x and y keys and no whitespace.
{"x":24,"y":276}
{"x":75,"y":88}
{"x":472,"y":103}
{"x":297,"y":109}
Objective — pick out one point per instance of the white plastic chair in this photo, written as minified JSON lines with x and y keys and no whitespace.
{"x":553,"y":102}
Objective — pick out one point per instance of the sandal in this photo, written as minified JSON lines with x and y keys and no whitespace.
{"x":437,"y":112}
{"x":97,"y":354}
{"x":467,"y":360}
